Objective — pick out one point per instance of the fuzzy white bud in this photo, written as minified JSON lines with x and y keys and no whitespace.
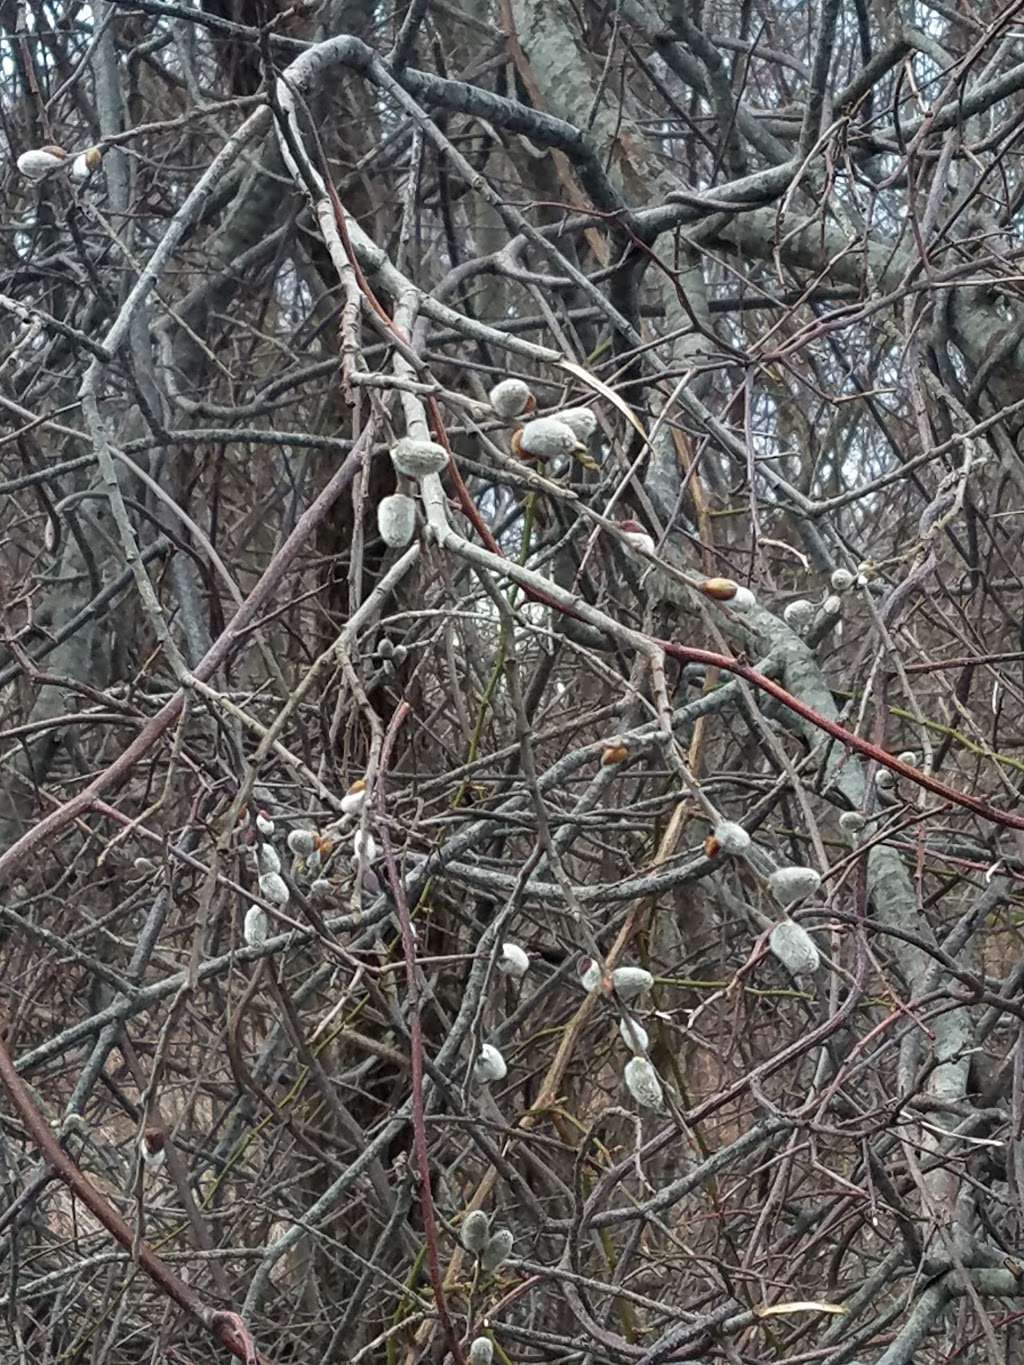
{"x":789,"y":884}
{"x":851,"y":822}
{"x":396,"y":520}
{"x":264,"y":824}
{"x":152,"y":1149}
{"x":580,"y":421}
{"x":634,"y":1035}
{"x":794,"y":948}
{"x":731,"y":838}
{"x":635,"y":535}
{"x":497,"y":1249}
{"x":354,"y":798}
{"x":416,"y":459}
{"x":832,"y":605}
{"x":885,"y":779}
{"x":475,"y":1231}
{"x":266,"y":856}
{"x":513,"y":961}
{"x":256,"y":927}
{"x":481,"y":1352}
{"x":842,"y":580}
{"x":489,"y":1065}
{"x":909,"y":756}
{"x":547,"y":438}
{"x":510,"y":398}
{"x":321,"y":889}
{"x":40,"y":162}
{"x":364,"y":846}
{"x":85,"y":163}
{"x":302,"y":842}
{"x":799,"y":614}
{"x":744,"y":600}
{"x":643,"y":1084}
{"x":590,"y":975}
{"x":629,"y":982}
{"x":273,"y":889}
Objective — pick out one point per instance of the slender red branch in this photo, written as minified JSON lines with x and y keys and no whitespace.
{"x":227,"y":1327}
{"x":689,"y":655}
{"x":469,"y":507}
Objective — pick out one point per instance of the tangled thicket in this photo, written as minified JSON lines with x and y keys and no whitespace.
{"x":550,"y":895}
